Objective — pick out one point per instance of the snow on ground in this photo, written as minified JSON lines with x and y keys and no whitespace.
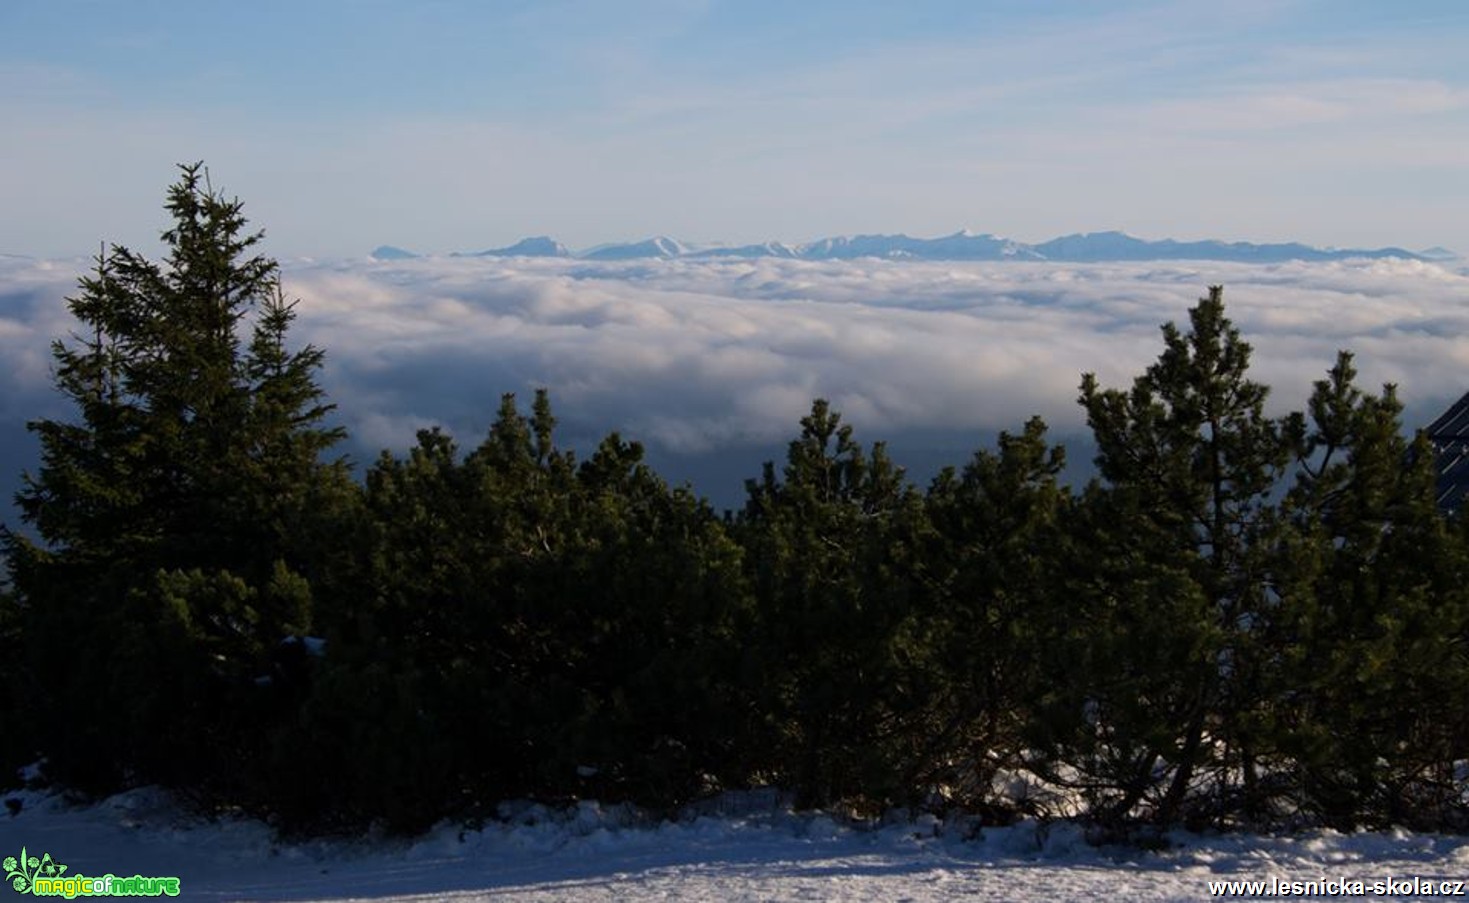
{"x":747,"y":847}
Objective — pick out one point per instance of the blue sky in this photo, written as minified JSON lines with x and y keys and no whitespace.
{"x":457,"y":125}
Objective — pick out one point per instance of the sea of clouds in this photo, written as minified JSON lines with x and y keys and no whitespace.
{"x":711,"y":363}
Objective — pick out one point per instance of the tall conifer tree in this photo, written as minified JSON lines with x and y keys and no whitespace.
{"x":173,"y":510}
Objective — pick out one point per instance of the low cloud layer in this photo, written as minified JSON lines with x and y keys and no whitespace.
{"x":702,"y":360}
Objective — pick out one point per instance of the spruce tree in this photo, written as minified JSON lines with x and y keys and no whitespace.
{"x":180,"y":513}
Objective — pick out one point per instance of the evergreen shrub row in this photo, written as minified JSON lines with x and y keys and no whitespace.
{"x":1244,"y":620}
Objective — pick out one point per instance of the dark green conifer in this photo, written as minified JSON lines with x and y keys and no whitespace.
{"x":830,"y":551}
{"x":1190,"y":460}
{"x":1373,"y":685}
{"x":178,"y":513}
{"x":991,"y":616}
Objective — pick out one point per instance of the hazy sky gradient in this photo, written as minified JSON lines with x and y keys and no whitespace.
{"x":461,"y":125}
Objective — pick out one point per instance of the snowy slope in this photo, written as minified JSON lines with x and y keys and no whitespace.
{"x":535,"y":246}
{"x":745,"y":848}
{"x":658,"y":246}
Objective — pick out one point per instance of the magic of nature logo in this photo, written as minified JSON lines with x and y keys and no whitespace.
{"x":43,"y":876}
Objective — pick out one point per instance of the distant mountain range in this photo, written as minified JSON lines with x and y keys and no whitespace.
{"x":1091,"y":247}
